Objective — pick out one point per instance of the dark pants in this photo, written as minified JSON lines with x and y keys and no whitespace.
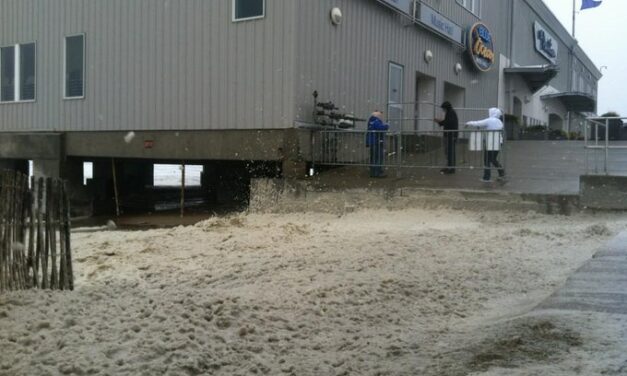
{"x":450,"y":141}
{"x":376,"y":159}
{"x":491,"y":159}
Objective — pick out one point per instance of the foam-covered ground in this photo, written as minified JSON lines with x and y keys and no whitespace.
{"x":367,"y":293}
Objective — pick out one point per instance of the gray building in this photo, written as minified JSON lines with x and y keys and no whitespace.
{"x":548,"y":79}
{"x":228,"y":83}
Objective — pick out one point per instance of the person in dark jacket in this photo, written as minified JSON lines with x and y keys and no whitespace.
{"x":450,"y":124}
{"x":374,"y":141}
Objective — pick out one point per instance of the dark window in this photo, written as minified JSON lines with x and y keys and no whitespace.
{"x":7,"y":74}
{"x":248,"y":9}
{"x":27,"y":72}
{"x":74,"y":66}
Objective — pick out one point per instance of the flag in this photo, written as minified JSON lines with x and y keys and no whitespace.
{"x":586,"y":4}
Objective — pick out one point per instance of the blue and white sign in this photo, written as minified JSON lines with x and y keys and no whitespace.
{"x":442,"y":25}
{"x":405,"y":6}
{"x":545,"y":43}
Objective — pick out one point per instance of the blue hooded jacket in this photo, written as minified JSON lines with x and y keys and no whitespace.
{"x":375,"y":124}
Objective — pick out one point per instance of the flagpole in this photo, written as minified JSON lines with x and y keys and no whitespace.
{"x":573,"y":19}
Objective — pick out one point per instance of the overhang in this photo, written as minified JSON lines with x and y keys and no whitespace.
{"x":574,"y":101}
{"x":536,"y":76}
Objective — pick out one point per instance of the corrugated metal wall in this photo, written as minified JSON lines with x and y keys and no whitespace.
{"x":183,"y":64}
{"x":348,"y":64}
{"x":570,"y":55}
{"x":155,"y":64}
{"x":524,"y":43}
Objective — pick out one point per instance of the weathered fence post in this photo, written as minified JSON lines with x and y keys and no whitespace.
{"x":65,"y":216}
{"x":36,"y":213}
{"x":32,"y":260}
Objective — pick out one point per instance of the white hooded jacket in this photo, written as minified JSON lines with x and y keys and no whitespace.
{"x":494,"y":126}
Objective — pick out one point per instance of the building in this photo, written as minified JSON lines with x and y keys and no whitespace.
{"x":228,"y":83}
{"x":547,"y":78}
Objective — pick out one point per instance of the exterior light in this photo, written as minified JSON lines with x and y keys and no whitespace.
{"x":458,"y":68}
{"x":336,"y":16}
{"x":428,"y":56}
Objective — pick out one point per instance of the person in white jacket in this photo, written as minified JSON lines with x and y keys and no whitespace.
{"x":492,"y":140}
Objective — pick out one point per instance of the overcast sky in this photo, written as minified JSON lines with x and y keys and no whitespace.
{"x":600,"y":32}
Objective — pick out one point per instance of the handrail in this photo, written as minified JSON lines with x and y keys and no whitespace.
{"x":591,"y":141}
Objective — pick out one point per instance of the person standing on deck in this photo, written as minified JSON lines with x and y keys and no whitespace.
{"x":374,"y":141}
{"x":450,"y":124}
{"x":492,"y":140}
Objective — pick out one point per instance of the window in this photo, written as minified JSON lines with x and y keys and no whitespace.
{"x":473,"y":6}
{"x":395,"y":96}
{"x":248,"y":9}
{"x":7,"y":79}
{"x":17,"y":73}
{"x":27,"y":72}
{"x":74,"y":86}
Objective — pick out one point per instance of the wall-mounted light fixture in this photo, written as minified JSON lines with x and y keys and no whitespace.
{"x":336,"y":16}
{"x":458,"y":68}
{"x":428,"y":56}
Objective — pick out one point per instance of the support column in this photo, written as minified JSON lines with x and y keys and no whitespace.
{"x":47,"y":168}
{"x":208,"y":182}
{"x":102,"y":187}
{"x":70,"y":170}
{"x":293,"y":161}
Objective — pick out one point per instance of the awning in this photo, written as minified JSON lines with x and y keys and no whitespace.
{"x":536,"y":76}
{"x":574,"y":101}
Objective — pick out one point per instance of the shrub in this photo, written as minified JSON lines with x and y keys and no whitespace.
{"x":558,"y":134}
{"x":575,"y":136}
{"x":536,"y":128}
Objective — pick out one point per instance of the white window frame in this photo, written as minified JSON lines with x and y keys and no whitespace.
{"x":263,"y":13}
{"x":17,"y":74}
{"x":473,"y":6}
{"x":64,"y":72}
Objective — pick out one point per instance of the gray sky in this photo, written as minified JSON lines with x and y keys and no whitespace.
{"x":599,"y":32}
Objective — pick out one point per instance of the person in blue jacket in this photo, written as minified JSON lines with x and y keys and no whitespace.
{"x":374,"y":141}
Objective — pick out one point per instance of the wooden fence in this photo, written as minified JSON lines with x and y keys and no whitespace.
{"x":35,"y":249}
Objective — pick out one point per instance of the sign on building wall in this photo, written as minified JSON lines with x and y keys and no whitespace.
{"x":481,"y":47}
{"x":545,"y":43}
{"x":442,"y":25}
{"x":405,"y":6}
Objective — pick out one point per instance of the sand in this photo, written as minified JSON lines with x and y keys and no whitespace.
{"x":406,"y":292}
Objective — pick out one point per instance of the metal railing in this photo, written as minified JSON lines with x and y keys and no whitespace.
{"x":606,"y":150}
{"x":417,"y":149}
{"x":418,"y":116}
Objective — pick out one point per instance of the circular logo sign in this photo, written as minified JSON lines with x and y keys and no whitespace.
{"x":481,"y":47}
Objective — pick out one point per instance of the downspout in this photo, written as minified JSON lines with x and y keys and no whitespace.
{"x":571,"y":62}
{"x":511,"y":31}
{"x":508,"y":85}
